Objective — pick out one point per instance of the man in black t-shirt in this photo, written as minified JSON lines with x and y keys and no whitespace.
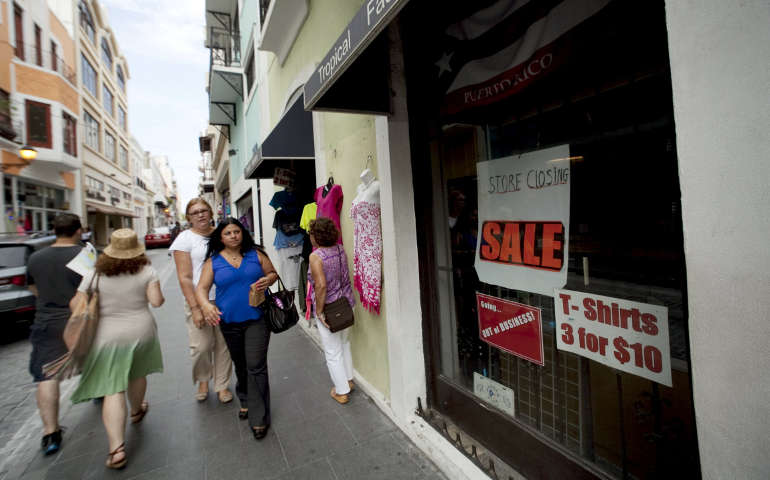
{"x":54,"y":285}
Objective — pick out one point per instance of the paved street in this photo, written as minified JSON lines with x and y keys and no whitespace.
{"x":311,"y":436}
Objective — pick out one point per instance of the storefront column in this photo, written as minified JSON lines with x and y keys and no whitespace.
{"x":399,"y":235}
{"x":14,"y":196}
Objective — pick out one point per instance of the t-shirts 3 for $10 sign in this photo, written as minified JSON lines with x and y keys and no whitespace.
{"x":629,"y":336}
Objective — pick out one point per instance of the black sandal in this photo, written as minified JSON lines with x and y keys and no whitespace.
{"x":243,"y":413}
{"x":259,"y":432}
{"x":120,"y":463}
{"x":139,"y":416}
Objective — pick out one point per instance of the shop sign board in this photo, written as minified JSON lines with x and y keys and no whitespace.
{"x":512,"y":327}
{"x":493,"y":393}
{"x":622,"y":334}
{"x":369,"y":21}
{"x":524,"y":206}
{"x":283,"y":177}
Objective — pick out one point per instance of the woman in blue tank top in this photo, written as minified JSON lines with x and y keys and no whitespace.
{"x":235,"y":265}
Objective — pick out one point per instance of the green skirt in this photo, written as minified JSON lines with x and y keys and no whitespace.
{"x":109,"y":368}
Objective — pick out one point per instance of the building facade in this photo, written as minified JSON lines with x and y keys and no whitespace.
{"x":142,"y":191}
{"x":557,"y":271}
{"x":106,"y":141}
{"x":39,"y":107}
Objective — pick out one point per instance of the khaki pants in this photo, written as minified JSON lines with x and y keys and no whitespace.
{"x":209,"y":353}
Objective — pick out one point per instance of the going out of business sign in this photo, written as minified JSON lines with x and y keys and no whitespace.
{"x":367,"y":23}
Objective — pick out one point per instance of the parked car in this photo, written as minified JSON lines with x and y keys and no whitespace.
{"x":15,"y":250}
{"x":158,"y":237}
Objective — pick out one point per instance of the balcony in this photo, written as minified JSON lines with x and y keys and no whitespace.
{"x":30,"y":53}
{"x":225,"y":75}
{"x":281,"y":23}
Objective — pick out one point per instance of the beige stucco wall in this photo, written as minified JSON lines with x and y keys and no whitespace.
{"x":321,"y":28}
{"x":347,"y":141}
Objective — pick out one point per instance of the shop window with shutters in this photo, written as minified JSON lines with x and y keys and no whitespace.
{"x":38,"y":121}
{"x":89,"y":76}
{"x":560,"y":279}
{"x":69,"y":134}
{"x":109,"y":147}
{"x":91,"y":131}
{"x":6,"y":124}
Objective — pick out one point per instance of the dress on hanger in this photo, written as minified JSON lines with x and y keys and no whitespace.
{"x":329,"y":206}
{"x":367,"y":244}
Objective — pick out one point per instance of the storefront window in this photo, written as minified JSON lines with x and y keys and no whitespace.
{"x":557,"y":228}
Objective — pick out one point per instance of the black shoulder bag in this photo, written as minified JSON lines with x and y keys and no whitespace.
{"x":280,"y":309}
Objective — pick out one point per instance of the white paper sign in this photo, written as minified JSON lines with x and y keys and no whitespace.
{"x":494,"y":393}
{"x":629,"y":336}
{"x":85,"y":261}
{"x":524,"y":203}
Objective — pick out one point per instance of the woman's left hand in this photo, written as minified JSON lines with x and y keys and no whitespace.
{"x":261,"y":284}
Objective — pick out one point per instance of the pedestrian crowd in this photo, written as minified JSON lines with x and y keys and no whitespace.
{"x":225,"y":279}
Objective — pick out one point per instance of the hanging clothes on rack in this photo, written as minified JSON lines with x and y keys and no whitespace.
{"x":367,"y":242}
{"x":288,"y":237}
{"x":329,"y":203}
{"x":308,"y":214}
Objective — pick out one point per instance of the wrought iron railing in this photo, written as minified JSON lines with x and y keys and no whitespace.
{"x":225,"y":47}
{"x":41,"y":57}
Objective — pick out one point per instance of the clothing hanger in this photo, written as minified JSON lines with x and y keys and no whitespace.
{"x":328,"y":186}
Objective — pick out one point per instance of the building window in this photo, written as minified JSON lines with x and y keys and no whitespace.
{"x":19,"y":24}
{"x":106,"y":54}
{"x":107,"y":100}
{"x":89,"y":76}
{"x":6,"y":126}
{"x":70,"y":135}
{"x":38,"y":46}
{"x":94,"y":184}
{"x":54,"y":57}
{"x":123,"y":158}
{"x":109,"y":147}
{"x":114,"y":193}
{"x":249,"y":71}
{"x":86,"y":22}
{"x":122,"y":117}
{"x":121,"y":79}
{"x":38,"y":124}
{"x":92,"y":131}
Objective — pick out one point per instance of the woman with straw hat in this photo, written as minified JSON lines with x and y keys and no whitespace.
{"x":126,"y":347}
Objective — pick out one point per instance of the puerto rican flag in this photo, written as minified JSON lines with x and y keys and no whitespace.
{"x":501,"y":49}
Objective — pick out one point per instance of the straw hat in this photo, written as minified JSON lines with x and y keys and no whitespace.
{"x":124,"y":244}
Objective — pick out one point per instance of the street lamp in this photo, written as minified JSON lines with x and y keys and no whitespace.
{"x":28,"y":153}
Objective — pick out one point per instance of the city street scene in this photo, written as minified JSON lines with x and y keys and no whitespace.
{"x":384,"y":239}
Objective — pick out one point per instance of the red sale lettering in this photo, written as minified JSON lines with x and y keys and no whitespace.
{"x":510,"y":326}
{"x":565,"y":302}
{"x":645,"y":356}
{"x":540,"y":246}
{"x":596,"y":310}
{"x":650,"y":322}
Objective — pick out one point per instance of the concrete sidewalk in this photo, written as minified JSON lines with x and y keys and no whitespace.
{"x":311,"y":436}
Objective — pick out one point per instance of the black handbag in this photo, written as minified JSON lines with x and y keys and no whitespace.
{"x":280,"y":309}
{"x":339,"y":314}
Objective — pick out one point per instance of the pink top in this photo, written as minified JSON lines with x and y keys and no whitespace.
{"x":330,"y":206}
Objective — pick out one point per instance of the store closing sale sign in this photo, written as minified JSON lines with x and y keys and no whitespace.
{"x":510,"y":326}
{"x":524,"y":205}
{"x":629,"y":336}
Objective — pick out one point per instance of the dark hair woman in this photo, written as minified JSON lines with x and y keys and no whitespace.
{"x":126,"y":348}
{"x":331,"y":280}
{"x":236,"y":265}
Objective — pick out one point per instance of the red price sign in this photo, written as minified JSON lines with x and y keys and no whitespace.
{"x":512,"y":327}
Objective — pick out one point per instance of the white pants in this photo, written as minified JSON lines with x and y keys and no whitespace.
{"x":339,"y":360}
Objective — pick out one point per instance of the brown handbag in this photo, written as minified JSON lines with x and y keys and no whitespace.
{"x":78,"y":335}
{"x":339,"y":314}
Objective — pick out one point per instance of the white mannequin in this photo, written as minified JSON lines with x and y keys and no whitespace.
{"x":368,"y":189}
